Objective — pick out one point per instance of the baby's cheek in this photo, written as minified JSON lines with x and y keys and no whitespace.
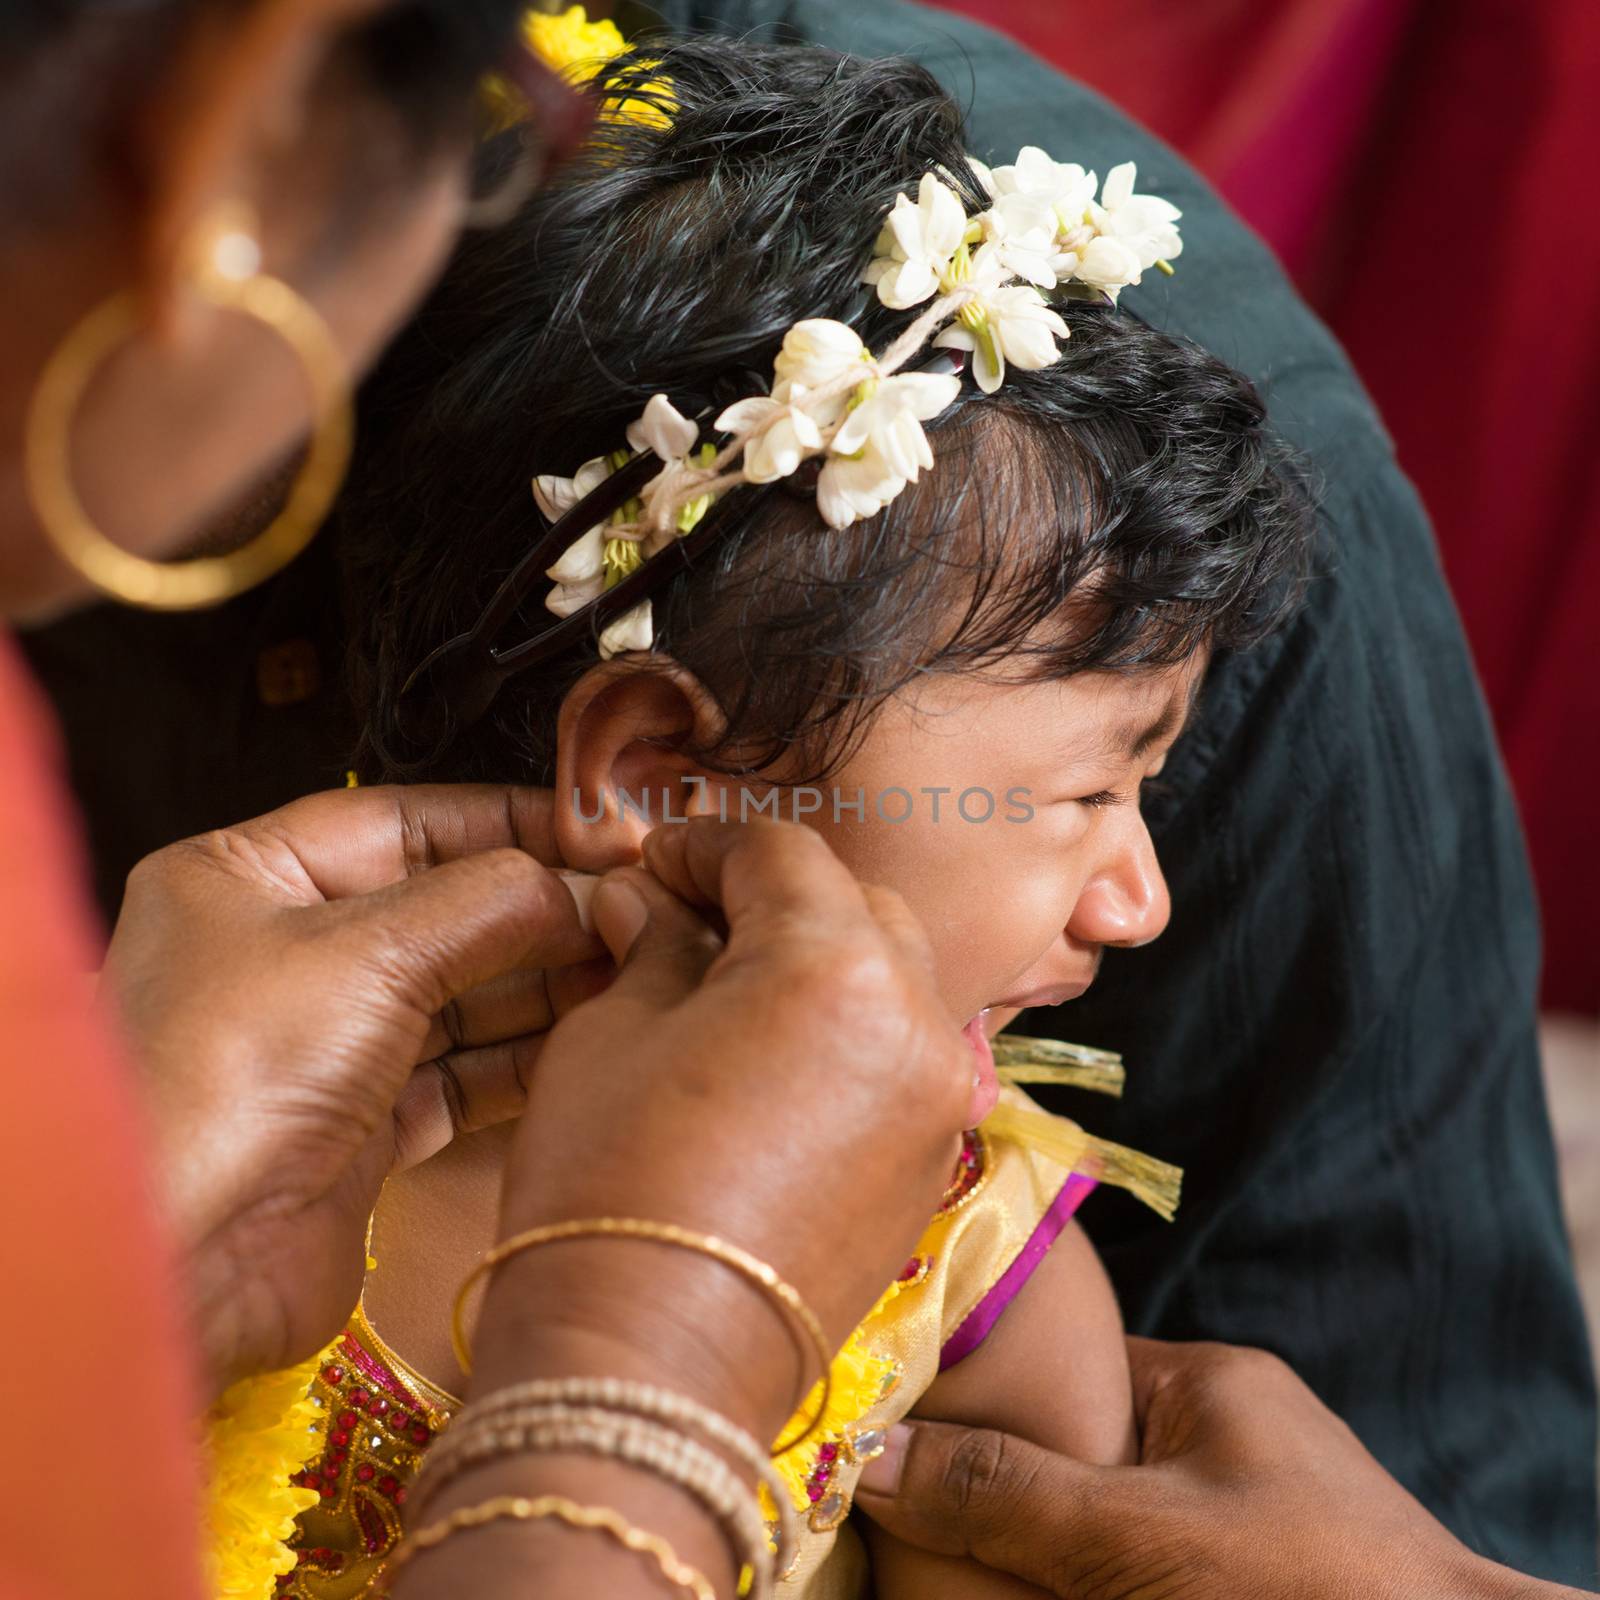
{"x":985,"y":893}
{"x":988,"y":927}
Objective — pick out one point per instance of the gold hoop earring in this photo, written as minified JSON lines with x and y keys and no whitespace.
{"x":227,"y":276}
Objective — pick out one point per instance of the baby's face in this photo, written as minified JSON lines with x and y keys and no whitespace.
{"x":1022,"y":847}
{"x":1006,"y":815}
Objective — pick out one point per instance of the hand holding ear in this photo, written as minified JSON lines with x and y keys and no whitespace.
{"x":317,"y":997}
{"x":772,"y":1084}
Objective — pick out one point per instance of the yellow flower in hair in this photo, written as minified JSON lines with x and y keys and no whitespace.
{"x":570,"y":44}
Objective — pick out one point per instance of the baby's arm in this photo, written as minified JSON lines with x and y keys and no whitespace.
{"x":1054,"y":1371}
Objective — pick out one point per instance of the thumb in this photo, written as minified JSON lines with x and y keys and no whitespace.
{"x":450,"y":928}
{"x":661,"y":946}
{"x":990,"y":1496}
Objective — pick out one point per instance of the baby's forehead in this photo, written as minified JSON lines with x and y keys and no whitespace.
{"x":1078,"y":717}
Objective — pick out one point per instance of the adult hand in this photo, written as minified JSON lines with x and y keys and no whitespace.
{"x":281,"y":982}
{"x":1247,"y":1485}
{"x":774,"y":1084}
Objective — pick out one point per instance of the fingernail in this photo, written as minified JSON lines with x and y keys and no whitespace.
{"x":619,"y":914}
{"x":581,"y":886}
{"x":881,"y":1475}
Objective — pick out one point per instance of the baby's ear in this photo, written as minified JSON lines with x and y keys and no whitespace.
{"x":622,"y":765}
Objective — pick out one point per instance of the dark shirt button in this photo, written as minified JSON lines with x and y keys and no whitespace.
{"x":288,"y":674}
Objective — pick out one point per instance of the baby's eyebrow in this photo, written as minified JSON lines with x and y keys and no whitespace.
{"x":1173,"y":720}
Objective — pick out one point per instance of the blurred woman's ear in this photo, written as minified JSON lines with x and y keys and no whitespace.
{"x":276,"y":115}
{"x":625,"y":762}
{"x":271,"y":115}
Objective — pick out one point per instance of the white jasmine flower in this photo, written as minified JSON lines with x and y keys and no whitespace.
{"x":786,"y":436}
{"x":1063,"y":185}
{"x":633,"y":630}
{"x":1143,"y":223}
{"x":566,"y":598}
{"x":887,"y":419}
{"x":1012,"y":323}
{"x":1023,"y":230}
{"x":1109,"y":265}
{"x":815,"y":352}
{"x":663,"y":429}
{"x":582,"y":560}
{"x":579,"y":572}
{"x":913,"y":253}
{"x":582,"y":573}
{"x":557,"y":496}
{"x":1067,"y":190}
{"x":590,"y":567}
{"x":851,"y":488}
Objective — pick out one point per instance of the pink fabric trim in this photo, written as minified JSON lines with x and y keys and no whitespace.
{"x":376,"y":1372}
{"x":980,"y":1321}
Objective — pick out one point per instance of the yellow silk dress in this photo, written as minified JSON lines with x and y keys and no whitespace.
{"x":1018,"y":1182}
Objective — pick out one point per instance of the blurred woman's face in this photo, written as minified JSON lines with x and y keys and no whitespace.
{"x":201,"y":407}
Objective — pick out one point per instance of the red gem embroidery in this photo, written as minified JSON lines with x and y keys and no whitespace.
{"x":968,"y":1173}
{"x":375,"y":1535}
{"x":362,"y":1396}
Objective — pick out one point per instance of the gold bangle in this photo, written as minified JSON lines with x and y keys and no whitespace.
{"x":784,"y":1295}
{"x":516,"y":1508}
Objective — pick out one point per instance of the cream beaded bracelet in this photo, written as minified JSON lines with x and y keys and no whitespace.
{"x":662,"y":1450}
{"x":629,"y":1396}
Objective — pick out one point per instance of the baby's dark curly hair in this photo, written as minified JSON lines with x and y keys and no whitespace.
{"x":1117,"y":510}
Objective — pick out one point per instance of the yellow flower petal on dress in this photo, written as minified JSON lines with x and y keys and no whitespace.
{"x":261,"y":1432}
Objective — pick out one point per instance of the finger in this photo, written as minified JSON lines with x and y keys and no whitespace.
{"x":519,"y":1002}
{"x":756,"y":873}
{"x":461,"y":1093}
{"x":662,"y":946}
{"x":436,"y":936}
{"x":1154,"y":1363}
{"x":571,"y":986}
{"x":506,"y":1007}
{"x":1162,"y":1368}
{"x":347,"y":842}
{"x":989,"y":1496}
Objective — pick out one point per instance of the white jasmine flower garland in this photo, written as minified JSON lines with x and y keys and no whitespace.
{"x":983,"y":281}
